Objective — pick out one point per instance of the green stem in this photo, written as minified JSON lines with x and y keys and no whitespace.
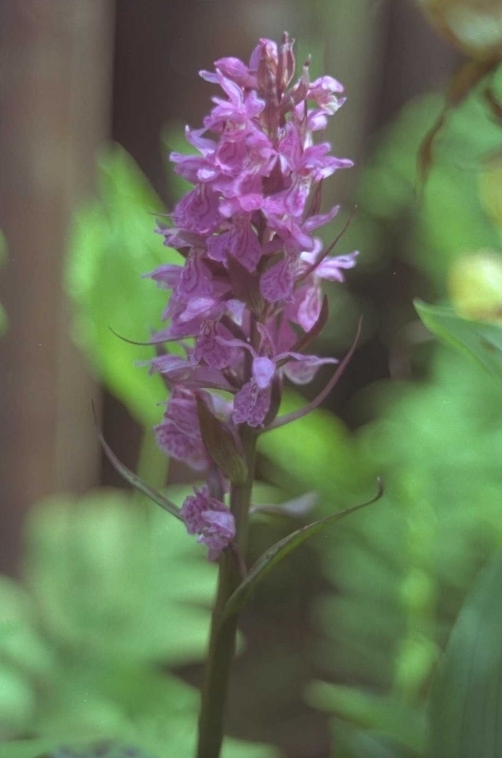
{"x":223,"y":635}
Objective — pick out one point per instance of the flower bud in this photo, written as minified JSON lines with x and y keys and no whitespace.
{"x":267,"y":84}
{"x":285,"y":63}
{"x":267,"y":72}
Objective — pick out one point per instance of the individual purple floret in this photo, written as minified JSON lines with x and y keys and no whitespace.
{"x":178,"y":435}
{"x":209,"y":518}
{"x":248,"y":291}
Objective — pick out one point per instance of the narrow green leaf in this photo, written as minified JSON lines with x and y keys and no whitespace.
{"x":279,"y":551}
{"x":466,"y":700}
{"x":481,"y":340}
{"x":133,"y":479}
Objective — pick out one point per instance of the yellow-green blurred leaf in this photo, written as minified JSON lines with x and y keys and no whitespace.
{"x":112,"y":245}
{"x":474,"y":26}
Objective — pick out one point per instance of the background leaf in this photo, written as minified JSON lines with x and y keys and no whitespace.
{"x":451,"y":215}
{"x":400,"y":571}
{"x":320,"y":445}
{"x":115,"y":592}
{"x":118,"y":578}
{"x":112,"y":245}
{"x":465,"y":705}
{"x":393,"y":719}
{"x":278,"y":552}
{"x":479,"y":339}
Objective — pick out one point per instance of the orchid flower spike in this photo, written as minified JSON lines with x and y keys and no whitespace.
{"x":251,"y":269}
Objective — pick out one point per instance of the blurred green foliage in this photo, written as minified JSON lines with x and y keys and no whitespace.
{"x":478,"y":339}
{"x":280,"y":550}
{"x":474,"y":27}
{"x":447,"y":215}
{"x":401,"y":570}
{"x":113,"y":594}
{"x":112,"y":246}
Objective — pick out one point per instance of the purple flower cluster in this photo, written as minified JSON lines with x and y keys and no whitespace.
{"x":250,"y":282}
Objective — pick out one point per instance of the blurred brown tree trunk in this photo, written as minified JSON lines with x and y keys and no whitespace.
{"x":54,"y":111}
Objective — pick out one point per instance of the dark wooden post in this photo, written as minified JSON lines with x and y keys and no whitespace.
{"x":54,"y":111}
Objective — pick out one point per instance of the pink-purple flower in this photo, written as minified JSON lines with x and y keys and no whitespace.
{"x":249,"y":279}
{"x":210,"y":519}
{"x":178,"y":435}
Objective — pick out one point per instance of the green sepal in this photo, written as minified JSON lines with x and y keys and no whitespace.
{"x":479,"y":339}
{"x":279,"y":551}
{"x":221,"y":445}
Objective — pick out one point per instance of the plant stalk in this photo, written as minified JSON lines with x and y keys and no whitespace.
{"x":223,"y":635}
